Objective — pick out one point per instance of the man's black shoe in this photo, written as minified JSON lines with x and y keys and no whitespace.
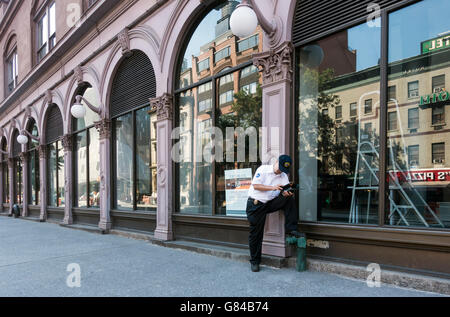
{"x":255,"y":267}
{"x":296,"y":234}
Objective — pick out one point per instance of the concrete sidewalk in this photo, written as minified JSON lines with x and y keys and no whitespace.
{"x":34,"y":258}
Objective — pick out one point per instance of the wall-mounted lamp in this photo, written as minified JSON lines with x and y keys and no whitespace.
{"x":245,"y":18}
{"x":78,"y":110}
{"x":22,"y":138}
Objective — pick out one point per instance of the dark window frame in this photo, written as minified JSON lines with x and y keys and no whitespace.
{"x":50,"y":41}
{"x":384,"y":15}
{"x":437,"y":155}
{"x":75,"y":132}
{"x":134,"y":167}
{"x":31,"y":148}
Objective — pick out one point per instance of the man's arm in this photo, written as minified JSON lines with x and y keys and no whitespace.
{"x":266,"y":188}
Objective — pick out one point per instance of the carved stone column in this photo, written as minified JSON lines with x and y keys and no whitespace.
{"x":68,"y":182}
{"x":164,"y":113}
{"x":25,"y":198}
{"x":43,"y":181}
{"x":104,"y":130}
{"x":276,"y":69}
{"x":11,"y":184}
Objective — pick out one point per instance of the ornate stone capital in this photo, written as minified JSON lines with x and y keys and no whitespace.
{"x":104,"y":128}
{"x":124,"y":41}
{"x":275,"y":65}
{"x":23,"y":156}
{"x":42,"y":151}
{"x":163,"y":106}
{"x":67,"y":142}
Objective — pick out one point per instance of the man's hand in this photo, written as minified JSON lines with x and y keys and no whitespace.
{"x":278,"y":187}
{"x":287,"y":194}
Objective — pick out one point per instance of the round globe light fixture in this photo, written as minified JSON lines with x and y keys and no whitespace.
{"x":243,"y":21}
{"x":22,"y":139}
{"x":78,"y":110}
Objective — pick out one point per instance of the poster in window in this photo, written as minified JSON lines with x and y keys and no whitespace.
{"x":237,"y":184}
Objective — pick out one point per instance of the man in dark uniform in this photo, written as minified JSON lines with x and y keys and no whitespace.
{"x":266,"y":195}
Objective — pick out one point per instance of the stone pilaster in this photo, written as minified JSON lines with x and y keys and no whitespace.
{"x":43,"y":181}
{"x":25,"y":199}
{"x":276,"y":69}
{"x":2,"y":198}
{"x":67,"y":142}
{"x":11,"y":183}
{"x":164,"y":113}
{"x":104,"y":130}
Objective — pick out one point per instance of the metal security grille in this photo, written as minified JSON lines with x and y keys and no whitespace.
{"x":134,"y":84}
{"x":54,"y":126}
{"x":313,"y":17}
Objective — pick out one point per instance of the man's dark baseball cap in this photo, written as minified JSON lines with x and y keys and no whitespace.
{"x":284,"y":163}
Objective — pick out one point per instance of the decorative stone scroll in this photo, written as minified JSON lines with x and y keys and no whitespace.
{"x":276,"y":64}
{"x":78,"y":74}
{"x":124,"y":41}
{"x":163,"y":106}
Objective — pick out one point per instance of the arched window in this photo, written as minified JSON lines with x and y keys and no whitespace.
{"x":17,"y":169}
{"x":33,"y":165}
{"x":11,"y":65}
{"x":134,"y":134}
{"x":211,"y":92}
{"x":55,"y":157}
{"x":87,"y":153}
{"x":5,"y":170}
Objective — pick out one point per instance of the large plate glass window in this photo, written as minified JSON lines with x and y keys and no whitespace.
{"x":87,"y":153}
{"x":5,"y":171}
{"x":418,"y":163}
{"x":338,"y":126}
{"x":217,"y":92}
{"x":33,"y":165}
{"x":17,"y":170}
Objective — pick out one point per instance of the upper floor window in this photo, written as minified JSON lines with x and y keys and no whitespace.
{"x":413,"y":89}
{"x":223,"y":53}
{"x":368,"y":106}
{"x":353,"y":109}
{"x":46,"y":31}
{"x":12,"y":71}
{"x":438,"y":83}
{"x":249,"y":42}
{"x":392,"y":93}
{"x":202,"y":65}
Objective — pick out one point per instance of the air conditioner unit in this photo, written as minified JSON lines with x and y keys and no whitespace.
{"x":438,"y":161}
{"x":414,"y":93}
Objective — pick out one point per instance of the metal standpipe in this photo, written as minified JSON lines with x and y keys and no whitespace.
{"x":301,"y":251}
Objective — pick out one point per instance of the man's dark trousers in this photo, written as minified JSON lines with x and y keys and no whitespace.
{"x":256,"y":215}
